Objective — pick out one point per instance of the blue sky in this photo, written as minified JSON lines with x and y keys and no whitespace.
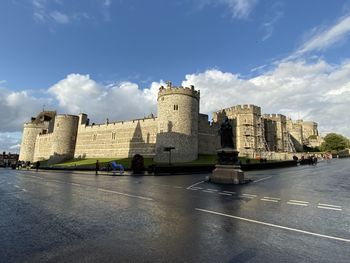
{"x":289,"y":57}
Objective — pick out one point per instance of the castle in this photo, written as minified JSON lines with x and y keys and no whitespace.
{"x":179,"y":124}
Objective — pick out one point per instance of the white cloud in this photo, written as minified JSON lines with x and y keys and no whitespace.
{"x":321,"y":40}
{"x":40,"y":13}
{"x":16,"y":108}
{"x":107,"y":3}
{"x":59,"y":17}
{"x":105,"y":10}
{"x":40,"y":4}
{"x":10,"y":142}
{"x":122,"y":101}
{"x":271,"y":20}
{"x":51,"y":12}
{"x":313,"y":91}
{"x":240,"y":9}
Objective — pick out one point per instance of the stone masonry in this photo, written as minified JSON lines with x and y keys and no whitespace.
{"x":179,"y":124}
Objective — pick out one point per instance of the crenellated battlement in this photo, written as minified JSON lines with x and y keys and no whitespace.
{"x":121,"y":123}
{"x":45,"y":135}
{"x":68,"y":116}
{"x":241,"y":109}
{"x":34,"y":125}
{"x":179,"y":124}
{"x":275,"y":117}
{"x":171,"y":90}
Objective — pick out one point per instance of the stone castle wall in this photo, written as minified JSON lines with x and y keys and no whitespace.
{"x":309,"y":129}
{"x":179,"y":124}
{"x":117,"y":139}
{"x":295,"y":130}
{"x":208,"y":136}
{"x":233,"y":111}
{"x":247,"y":125}
{"x":60,"y":144}
{"x":282,"y":139}
{"x":64,"y":137}
{"x":178,"y":112}
{"x":270,"y":128}
{"x":43,"y":147}
{"x":30,"y":133}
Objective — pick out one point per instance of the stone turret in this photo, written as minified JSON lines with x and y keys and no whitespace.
{"x":41,"y":124}
{"x":283,"y":143}
{"x":178,"y":111}
{"x":64,"y":137}
{"x":83,"y":119}
{"x":309,"y":129}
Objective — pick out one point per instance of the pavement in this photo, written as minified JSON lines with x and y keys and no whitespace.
{"x":297,"y":214}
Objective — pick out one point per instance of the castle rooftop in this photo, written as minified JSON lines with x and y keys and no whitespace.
{"x":171,"y":90}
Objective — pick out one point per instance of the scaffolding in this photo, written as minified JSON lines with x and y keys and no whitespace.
{"x":263,"y":139}
{"x":290,"y":144}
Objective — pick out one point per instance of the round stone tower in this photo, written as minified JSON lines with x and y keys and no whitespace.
{"x":41,"y":124}
{"x":64,"y":137}
{"x":178,"y":112}
{"x":30,"y":132}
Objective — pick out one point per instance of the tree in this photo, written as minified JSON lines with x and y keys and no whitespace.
{"x":313,"y":137}
{"x":334,"y":142}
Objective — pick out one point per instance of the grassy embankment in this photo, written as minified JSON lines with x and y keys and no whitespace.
{"x":126,"y":162}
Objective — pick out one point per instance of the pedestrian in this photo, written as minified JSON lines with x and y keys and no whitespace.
{"x":37,"y":165}
{"x":97,"y":167}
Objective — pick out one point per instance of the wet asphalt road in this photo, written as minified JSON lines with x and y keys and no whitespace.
{"x":298,"y":214}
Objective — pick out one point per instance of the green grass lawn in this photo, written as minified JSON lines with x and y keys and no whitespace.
{"x":86,"y":163}
{"x":126,"y":162}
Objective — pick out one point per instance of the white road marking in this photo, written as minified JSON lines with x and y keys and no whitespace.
{"x":214,"y":190}
{"x":329,"y":208}
{"x":129,"y":195}
{"x":225,"y":194}
{"x":300,"y":204}
{"x":262,"y":179}
{"x":229,"y":192}
{"x":336,"y":206}
{"x":193,"y":189}
{"x":269,"y":200}
{"x":275,"y":226}
{"x":249,"y":195}
{"x":178,"y":187}
{"x":198,"y":188}
{"x":24,"y":190}
{"x":211,"y":192}
{"x":297,"y":201}
{"x":195,"y":184}
{"x":16,"y":186}
{"x":75,"y":184}
{"x":273,"y":198}
{"x":244,"y":196}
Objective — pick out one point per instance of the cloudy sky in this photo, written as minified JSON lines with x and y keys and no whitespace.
{"x":108,"y":57}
